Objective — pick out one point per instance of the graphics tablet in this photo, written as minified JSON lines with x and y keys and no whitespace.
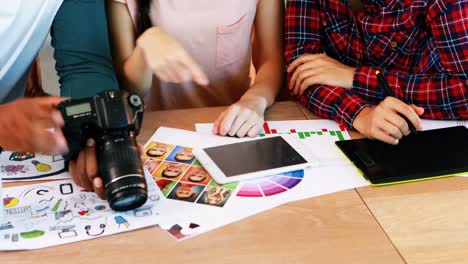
{"x":428,"y":154}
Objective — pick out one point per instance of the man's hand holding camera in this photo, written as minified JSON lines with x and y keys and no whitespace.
{"x":33,"y":125}
{"x":109,"y":163}
{"x":103,"y":153}
{"x":84,"y":170}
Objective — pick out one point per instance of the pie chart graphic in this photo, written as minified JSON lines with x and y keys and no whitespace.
{"x":9,"y":202}
{"x":271,"y":185}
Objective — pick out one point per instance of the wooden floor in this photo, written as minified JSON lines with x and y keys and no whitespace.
{"x":423,"y":222}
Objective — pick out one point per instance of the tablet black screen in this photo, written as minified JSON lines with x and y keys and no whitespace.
{"x":253,"y":156}
{"x":430,"y":153}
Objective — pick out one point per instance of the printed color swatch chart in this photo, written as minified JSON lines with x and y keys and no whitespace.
{"x":271,"y":185}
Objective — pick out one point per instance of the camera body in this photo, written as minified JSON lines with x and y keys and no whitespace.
{"x":113,"y":119}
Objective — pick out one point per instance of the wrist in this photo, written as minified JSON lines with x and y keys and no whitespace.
{"x":365,"y":82}
{"x":260,"y":102}
{"x":142,"y":39}
{"x":350,"y":77}
{"x":359,"y":122}
{"x":135,"y":73}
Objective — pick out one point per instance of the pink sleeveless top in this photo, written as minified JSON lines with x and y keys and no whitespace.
{"x":218,"y":35}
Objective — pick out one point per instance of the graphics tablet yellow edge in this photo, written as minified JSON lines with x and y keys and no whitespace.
{"x":397,"y":182}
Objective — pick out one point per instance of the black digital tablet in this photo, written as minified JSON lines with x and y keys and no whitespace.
{"x":428,"y":154}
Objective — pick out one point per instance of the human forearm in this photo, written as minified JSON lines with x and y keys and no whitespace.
{"x":442,"y":92}
{"x":334,"y":103}
{"x":158,"y":53}
{"x":267,"y":83}
{"x":443,"y":96}
{"x":246,"y":116}
{"x":128,"y":57}
{"x":267,"y":51}
{"x":136,"y":75}
{"x":302,"y":30}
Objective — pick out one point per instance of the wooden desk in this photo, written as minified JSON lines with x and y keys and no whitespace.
{"x":427,"y":221}
{"x":423,"y":222}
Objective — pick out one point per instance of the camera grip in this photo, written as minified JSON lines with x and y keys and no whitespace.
{"x":74,"y":148}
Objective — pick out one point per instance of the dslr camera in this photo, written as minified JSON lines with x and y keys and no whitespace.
{"x":113,"y":119}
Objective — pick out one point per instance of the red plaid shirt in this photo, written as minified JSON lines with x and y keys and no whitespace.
{"x":420,"y":46}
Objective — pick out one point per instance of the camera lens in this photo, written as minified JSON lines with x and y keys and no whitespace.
{"x":121,"y":169}
{"x":127,"y":193}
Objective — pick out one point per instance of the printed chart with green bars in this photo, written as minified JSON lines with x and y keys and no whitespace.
{"x":318,"y":136}
{"x":305,"y":134}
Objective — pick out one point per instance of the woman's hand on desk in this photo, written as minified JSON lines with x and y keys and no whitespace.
{"x":168,"y":59}
{"x":32,"y":125}
{"x":85,"y":169}
{"x":244,"y":118}
{"x":384,"y":122}
{"x":311,"y":69}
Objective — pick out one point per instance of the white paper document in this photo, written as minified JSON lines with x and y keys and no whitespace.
{"x":60,"y":212}
{"x":196,"y":204}
{"x":26,"y":166}
{"x":435,"y":124}
{"x":318,"y":136}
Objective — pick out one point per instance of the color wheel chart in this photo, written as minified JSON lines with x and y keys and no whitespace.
{"x":338,"y":134}
{"x":271,"y":185}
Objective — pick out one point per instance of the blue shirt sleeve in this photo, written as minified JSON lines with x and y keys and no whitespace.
{"x":82,"y":53}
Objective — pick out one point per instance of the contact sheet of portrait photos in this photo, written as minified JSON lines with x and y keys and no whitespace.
{"x":181,"y":177}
